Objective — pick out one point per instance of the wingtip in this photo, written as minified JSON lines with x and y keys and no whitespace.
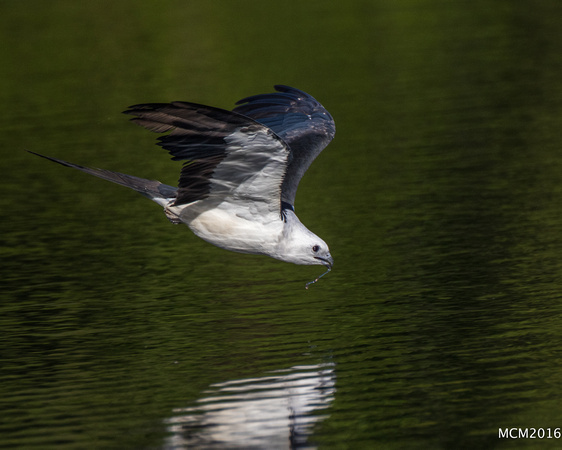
{"x":282,"y":87}
{"x":277,"y":87}
{"x":285,"y":88}
{"x":136,"y":109}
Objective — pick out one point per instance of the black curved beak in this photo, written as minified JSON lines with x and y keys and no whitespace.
{"x":328,"y":262}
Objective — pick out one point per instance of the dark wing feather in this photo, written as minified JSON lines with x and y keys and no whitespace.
{"x":297,"y":118}
{"x":206,"y":137}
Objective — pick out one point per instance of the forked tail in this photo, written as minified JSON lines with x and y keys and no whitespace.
{"x":154,"y":190}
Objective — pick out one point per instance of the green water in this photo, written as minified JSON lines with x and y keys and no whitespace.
{"x":440,"y":198}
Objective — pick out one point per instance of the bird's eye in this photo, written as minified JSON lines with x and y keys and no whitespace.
{"x":315,"y":248}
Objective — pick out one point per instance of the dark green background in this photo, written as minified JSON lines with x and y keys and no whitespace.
{"x":440,"y":198}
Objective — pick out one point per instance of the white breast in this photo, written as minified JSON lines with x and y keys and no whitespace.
{"x":225,"y":229}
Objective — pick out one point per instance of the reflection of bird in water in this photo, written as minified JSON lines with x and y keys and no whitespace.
{"x":272,"y":412}
{"x":242,"y":168}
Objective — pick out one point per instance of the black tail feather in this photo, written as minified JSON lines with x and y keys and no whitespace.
{"x":149,"y":188}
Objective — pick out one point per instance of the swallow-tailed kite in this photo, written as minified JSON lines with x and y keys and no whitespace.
{"x":241,"y":172}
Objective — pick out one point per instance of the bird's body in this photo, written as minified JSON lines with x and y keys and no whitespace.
{"x":228,"y":230}
{"x":238,"y":184}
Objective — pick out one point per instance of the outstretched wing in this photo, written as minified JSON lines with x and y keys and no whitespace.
{"x":229,"y":157}
{"x":297,"y":118}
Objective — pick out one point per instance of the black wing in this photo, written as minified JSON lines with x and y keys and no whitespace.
{"x":297,"y":118}
{"x":230,"y":158}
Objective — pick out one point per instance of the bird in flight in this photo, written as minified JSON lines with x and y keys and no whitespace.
{"x":240,"y":173}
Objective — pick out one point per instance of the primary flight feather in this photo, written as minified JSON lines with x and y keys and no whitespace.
{"x":241,"y":172}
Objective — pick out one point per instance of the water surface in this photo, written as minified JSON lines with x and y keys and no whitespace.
{"x":440,"y":199}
